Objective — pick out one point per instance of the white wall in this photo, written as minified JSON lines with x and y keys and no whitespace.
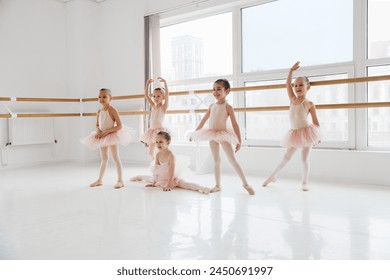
{"x":53,"y":49}
{"x":120,"y":41}
{"x":33,"y":64}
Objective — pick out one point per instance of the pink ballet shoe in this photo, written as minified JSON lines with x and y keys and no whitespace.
{"x":96,"y":184}
{"x":249,"y":189}
{"x":305,"y":187}
{"x":268,"y":181}
{"x":216,"y":189}
{"x":119,"y":185}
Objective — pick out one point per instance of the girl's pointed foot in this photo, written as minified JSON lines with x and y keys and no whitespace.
{"x":119,"y":185}
{"x":305,"y":187}
{"x":249,"y":189}
{"x":204,"y":190}
{"x":268,"y":181}
{"x":96,"y":184}
{"x":216,"y":189}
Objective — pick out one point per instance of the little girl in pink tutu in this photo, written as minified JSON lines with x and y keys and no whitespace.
{"x":109,"y":133}
{"x":159,"y":105}
{"x":218,"y":134}
{"x":302,"y":134}
{"x":167,"y":169}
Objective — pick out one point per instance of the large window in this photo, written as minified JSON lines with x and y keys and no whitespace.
{"x":256,"y":45}
{"x":197,"y":48}
{"x":379,"y":118}
{"x":278,"y":33}
{"x":378,"y":28}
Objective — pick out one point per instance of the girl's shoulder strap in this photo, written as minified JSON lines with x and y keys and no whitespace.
{"x":304,"y":100}
{"x":111,"y":111}
{"x":229,"y":107}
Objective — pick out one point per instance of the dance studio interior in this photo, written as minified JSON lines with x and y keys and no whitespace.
{"x":57,"y":55}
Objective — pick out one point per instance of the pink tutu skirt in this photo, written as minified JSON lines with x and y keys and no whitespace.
{"x":150,"y":135}
{"x":161,"y":172}
{"x":308,"y":136}
{"x":121,"y":137}
{"x":219,"y":136}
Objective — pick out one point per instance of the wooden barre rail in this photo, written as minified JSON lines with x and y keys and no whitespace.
{"x":38,"y":99}
{"x":40,"y":115}
{"x":265,"y":87}
{"x":203,"y":91}
{"x":247,"y":109}
{"x":263,"y":109}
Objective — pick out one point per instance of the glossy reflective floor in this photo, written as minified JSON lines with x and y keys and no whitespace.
{"x":49,"y":212}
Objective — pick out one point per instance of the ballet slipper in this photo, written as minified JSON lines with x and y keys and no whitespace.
{"x":305,"y":187}
{"x":136,"y":179}
{"x":249,"y":189}
{"x":268,"y":181}
{"x":216,"y":189}
{"x":119,"y":185}
{"x":96,"y":184}
{"x":204,"y":190}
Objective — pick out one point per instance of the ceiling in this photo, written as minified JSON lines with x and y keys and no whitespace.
{"x":96,"y":1}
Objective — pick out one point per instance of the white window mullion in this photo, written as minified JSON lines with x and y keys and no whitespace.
{"x":239,"y":98}
{"x":360,"y":89}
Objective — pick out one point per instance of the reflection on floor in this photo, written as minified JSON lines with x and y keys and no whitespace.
{"x":49,"y":212}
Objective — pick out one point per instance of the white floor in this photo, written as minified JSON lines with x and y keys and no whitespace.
{"x":49,"y":212}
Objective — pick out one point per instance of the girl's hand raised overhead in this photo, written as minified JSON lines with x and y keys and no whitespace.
{"x":295,"y":66}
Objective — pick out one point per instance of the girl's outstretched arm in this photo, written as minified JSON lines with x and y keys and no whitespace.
{"x":204,"y":119}
{"x":147,"y":96}
{"x":166,"y":95}
{"x":170,"y":185}
{"x":313,"y":114}
{"x":235,"y":126}
{"x":290,"y":90}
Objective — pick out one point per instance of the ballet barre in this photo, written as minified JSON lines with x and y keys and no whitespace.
{"x":263,"y":87}
{"x":39,"y":99}
{"x":205,"y":91}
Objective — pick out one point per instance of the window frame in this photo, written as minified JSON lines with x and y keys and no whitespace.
{"x":358,"y":67}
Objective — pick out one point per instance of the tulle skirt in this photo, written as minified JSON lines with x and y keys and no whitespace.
{"x":150,"y":135}
{"x":308,"y":136}
{"x":121,"y":137}
{"x":161,"y":172}
{"x":219,"y":136}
